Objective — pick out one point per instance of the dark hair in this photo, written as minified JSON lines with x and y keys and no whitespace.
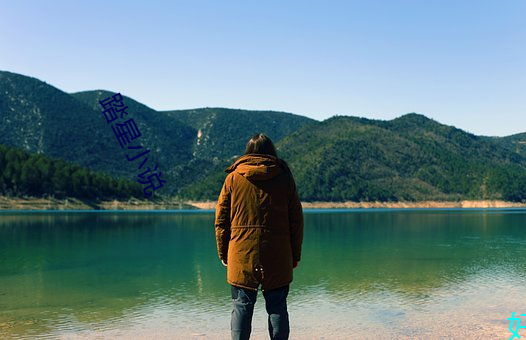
{"x":260,"y":143}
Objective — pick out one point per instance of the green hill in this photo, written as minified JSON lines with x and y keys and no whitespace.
{"x":410,"y":158}
{"x":515,"y":143}
{"x":38,"y":117}
{"x":342,"y":158}
{"x":170,"y":140}
{"x":223,"y":133}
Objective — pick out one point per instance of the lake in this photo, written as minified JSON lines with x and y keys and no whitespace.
{"x":364,"y":274}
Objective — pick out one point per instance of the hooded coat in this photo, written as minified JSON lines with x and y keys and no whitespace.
{"x":259,"y":222}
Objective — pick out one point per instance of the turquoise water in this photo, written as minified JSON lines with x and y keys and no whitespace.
{"x":364,"y":274}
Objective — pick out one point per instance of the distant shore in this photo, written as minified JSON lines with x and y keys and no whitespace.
{"x":34,"y":203}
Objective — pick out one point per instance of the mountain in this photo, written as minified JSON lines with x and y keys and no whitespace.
{"x":342,"y":158}
{"x":223,"y":133}
{"x":40,"y":118}
{"x":169,"y":139}
{"x":187,"y":145}
{"x":410,"y":158}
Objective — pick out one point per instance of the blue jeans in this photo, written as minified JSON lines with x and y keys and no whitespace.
{"x":243,"y":308}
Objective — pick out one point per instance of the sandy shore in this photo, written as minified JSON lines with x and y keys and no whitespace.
{"x":412,"y":205}
{"x":32,"y":203}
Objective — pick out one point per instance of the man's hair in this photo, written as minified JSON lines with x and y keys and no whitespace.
{"x":261,"y":144}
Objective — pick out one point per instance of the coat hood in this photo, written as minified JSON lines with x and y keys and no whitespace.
{"x":258,"y":167}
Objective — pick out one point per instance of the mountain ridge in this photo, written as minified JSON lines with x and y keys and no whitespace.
{"x":411,"y":157}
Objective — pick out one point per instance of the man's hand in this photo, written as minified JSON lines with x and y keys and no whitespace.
{"x":295,"y":264}
{"x":224,"y":263}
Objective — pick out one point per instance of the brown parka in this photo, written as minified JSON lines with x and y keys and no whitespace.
{"x":259,"y":222}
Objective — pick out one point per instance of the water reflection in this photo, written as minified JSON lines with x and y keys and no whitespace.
{"x":388,"y":271}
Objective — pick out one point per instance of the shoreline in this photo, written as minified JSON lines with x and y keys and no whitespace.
{"x":66,"y":204}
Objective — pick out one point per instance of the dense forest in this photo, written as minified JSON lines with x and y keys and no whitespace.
{"x":40,"y":176}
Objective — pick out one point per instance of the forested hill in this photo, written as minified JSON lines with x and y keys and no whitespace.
{"x":187,"y":145}
{"x":342,"y":158}
{"x":515,"y":143}
{"x":223,"y":133}
{"x":408,"y":158}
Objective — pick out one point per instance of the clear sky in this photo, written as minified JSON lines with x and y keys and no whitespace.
{"x":461,"y":62}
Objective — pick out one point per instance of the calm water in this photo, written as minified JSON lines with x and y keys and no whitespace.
{"x":364,"y":274}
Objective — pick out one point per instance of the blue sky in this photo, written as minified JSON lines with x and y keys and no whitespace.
{"x":462,"y":63}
